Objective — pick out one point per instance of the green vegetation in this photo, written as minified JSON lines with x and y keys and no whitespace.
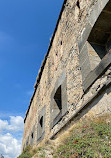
{"x":91,"y":139}
{"x":88,"y":141}
{"x":28,"y":152}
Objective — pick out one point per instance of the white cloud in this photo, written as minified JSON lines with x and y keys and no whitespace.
{"x":11,"y":136}
{"x":15,"y":124}
{"x":5,"y":115}
{"x":10,"y":147}
{"x":3,"y":125}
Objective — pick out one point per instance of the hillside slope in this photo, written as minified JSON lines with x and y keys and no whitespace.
{"x":85,"y":139}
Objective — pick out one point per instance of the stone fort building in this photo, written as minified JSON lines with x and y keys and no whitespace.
{"x":74,"y":81}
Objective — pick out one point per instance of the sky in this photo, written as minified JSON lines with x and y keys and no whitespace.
{"x":26,"y":27}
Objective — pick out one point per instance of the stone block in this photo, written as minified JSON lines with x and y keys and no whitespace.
{"x":93,"y":75}
{"x":84,"y":36}
{"x":95,"y":12}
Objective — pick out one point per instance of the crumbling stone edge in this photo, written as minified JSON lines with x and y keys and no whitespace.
{"x":83,"y":107}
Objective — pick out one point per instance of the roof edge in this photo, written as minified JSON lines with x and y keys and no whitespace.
{"x":45,"y":59}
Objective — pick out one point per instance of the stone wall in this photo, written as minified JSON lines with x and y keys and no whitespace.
{"x":68,"y":80}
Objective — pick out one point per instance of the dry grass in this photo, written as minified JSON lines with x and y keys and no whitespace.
{"x":90,"y":138}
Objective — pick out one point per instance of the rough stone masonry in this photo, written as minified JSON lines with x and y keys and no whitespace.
{"x":74,"y":81}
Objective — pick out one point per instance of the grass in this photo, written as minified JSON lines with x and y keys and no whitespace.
{"x":28,"y":152}
{"x":89,"y":139}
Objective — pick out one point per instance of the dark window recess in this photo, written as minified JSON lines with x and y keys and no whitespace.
{"x":57,"y":98}
{"x":32,"y":135}
{"x":41,"y":122}
{"x":41,"y":125}
{"x":57,"y":114}
{"x":99,"y":40}
{"x":61,"y":42}
{"x":78,"y":4}
{"x":97,"y":46}
{"x":58,"y":101}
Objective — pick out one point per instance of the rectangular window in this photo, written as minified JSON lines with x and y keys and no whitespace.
{"x":41,"y":125}
{"x":58,"y":101}
{"x":94,"y":54}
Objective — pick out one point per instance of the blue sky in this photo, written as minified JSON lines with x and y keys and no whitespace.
{"x":26,"y":27}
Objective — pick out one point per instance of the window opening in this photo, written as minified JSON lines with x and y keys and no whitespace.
{"x":58,"y":101}
{"x":57,"y":98}
{"x":96,"y":47}
{"x":99,"y":40}
{"x":41,"y":125}
{"x":32,"y":135}
{"x":41,"y":122}
{"x":78,"y":4}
